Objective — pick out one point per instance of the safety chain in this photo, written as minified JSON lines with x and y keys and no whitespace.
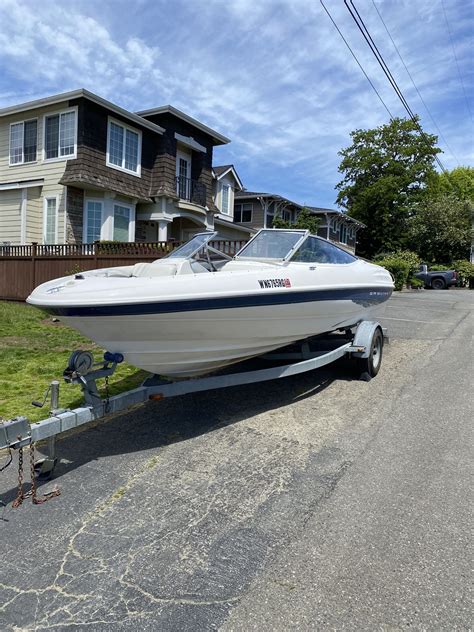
{"x":21,"y":494}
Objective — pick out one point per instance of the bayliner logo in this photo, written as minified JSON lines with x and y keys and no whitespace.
{"x":270,"y":283}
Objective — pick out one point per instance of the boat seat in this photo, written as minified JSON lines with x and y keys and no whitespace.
{"x":153,"y":270}
{"x":160,"y":269}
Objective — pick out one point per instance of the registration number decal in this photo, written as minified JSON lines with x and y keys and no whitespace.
{"x":266,"y":284}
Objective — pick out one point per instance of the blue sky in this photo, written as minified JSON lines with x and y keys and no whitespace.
{"x":275,"y":77}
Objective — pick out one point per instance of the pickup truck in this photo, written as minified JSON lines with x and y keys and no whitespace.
{"x":438,"y":280}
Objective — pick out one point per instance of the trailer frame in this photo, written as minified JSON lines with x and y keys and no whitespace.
{"x":18,"y":432}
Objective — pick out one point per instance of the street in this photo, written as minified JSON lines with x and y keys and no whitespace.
{"x":310,"y":503}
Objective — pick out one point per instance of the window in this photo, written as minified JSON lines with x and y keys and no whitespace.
{"x":315,"y":250}
{"x":286,"y":216}
{"x":60,"y":135}
{"x":50,"y":224}
{"x":23,"y":141}
{"x":243,"y":213}
{"x":122,"y":217}
{"x":123,"y":148}
{"x":343,"y":234}
{"x":225,"y":198}
{"x":93,"y":221}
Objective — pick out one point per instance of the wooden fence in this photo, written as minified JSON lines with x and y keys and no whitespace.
{"x":22,"y":268}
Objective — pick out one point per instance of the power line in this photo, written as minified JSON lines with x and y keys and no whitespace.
{"x":373,"y":47}
{"x":456,"y":60}
{"x":358,"y":62}
{"x":414,"y":84}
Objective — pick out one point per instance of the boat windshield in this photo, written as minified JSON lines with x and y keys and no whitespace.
{"x":194,"y":245}
{"x":318,"y":250}
{"x":272,"y":244}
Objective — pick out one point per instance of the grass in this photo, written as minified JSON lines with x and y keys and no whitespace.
{"x":33,"y":351}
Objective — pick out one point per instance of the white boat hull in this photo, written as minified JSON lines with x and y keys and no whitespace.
{"x":184,"y":325}
{"x":194,"y":343}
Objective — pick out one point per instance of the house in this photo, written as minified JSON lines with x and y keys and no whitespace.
{"x":338,"y":227}
{"x":257,"y":210}
{"x":226,"y":185}
{"x":75,"y":168}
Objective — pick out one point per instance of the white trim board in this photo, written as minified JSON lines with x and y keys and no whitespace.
{"x":21,"y":184}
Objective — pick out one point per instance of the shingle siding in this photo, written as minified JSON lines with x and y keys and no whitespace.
{"x":75,"y":215}
{"x":90,"y":167}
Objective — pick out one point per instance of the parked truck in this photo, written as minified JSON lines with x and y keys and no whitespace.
{"x":437,"y":280}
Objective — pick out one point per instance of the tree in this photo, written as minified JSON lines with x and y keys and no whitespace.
{"x":458,"y":182}
{"x":386,"y":171}
{"x":441,"y":229}
{"x":305,"y":221}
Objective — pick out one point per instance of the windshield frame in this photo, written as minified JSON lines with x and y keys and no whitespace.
{"x":304,"y":234}
{"x":174,"y":254}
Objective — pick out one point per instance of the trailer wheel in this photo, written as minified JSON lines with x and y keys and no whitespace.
{"x":369,"y":367}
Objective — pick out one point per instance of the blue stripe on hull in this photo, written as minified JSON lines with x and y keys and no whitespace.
{"x":368,"y":297}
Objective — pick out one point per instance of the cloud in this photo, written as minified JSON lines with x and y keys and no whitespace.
{"x":272,"y":75}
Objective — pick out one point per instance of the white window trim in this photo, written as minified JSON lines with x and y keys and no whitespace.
{"x":131,"y":224}
{"x":45,"y":206}
{"x":229,"y":189}
{"x":137,"y":173}
{"x":60,"y":158}
{"x":30,"y":162}
{"x":84,"y":217}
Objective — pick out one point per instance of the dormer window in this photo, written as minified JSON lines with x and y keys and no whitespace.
{"x":23,"y":142}
{"x":124,"y":148}
{"x":225,"y":199}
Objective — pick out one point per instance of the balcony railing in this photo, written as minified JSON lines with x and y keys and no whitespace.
{"x":191,"y":190}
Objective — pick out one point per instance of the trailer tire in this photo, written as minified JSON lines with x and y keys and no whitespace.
{"x":368,"y":368}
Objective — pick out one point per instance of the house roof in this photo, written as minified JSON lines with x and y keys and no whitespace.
{"x":226,"y":222}
{"x":274,"y":196}
{"x":169,"y":109}
{"x":222,"y":170}
{"x":76,"y":94}
{"x":334,"y":211}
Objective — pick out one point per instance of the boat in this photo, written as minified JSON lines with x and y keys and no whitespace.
{"x":198,"y":310}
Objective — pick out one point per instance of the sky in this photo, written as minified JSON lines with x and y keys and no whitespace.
{"x":274,"y":76}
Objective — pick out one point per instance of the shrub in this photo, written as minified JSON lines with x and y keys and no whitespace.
{"x":398,"y":268}
{"x":409,"y":257}
{"x":465,"y":270}
{"x":439,"y":267}
{"x":415,"y":283}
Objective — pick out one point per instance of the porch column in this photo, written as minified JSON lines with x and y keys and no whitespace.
{"x":163,"y":229}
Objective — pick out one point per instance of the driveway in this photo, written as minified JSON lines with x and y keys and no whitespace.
{"x":314,"y":502}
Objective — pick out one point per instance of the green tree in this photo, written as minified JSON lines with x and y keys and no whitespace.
{"x":386,"y":171}
{"x":305,"y":221}
{"x":458,"y":182}
{"x":441,"y":229}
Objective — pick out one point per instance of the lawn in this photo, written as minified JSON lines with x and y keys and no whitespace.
{"x":33,"y":351}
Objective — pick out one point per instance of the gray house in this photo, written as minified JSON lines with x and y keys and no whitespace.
{"x":258,"y":210}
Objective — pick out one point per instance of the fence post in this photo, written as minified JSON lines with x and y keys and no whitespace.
{"x":34,"y":252}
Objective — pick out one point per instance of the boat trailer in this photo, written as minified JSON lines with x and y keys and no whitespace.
{"x":364,"y":346}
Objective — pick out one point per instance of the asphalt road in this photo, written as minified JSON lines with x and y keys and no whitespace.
{"x":311,"y":503}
